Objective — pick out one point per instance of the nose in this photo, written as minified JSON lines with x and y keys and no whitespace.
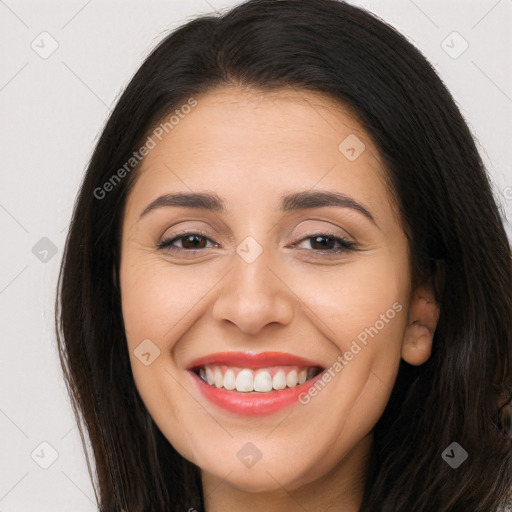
{"x":254,"y":295}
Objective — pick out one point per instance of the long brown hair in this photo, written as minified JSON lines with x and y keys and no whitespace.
{"x":448,"y":211}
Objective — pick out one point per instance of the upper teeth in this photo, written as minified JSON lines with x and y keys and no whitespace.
{"x":262,"y":379}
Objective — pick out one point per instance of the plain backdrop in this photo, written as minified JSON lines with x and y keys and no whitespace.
{"x":63,"y":64}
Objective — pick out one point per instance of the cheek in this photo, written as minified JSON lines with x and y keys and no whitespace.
{"x":157,"y":305}
{"x":349,"y":300}
{"x":159,"y":300}
{"x":361,"y":309}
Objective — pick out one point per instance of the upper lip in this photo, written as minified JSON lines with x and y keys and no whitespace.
{"x":253,"y":360}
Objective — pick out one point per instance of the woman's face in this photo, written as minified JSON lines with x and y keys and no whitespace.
{"x":305,"y":259}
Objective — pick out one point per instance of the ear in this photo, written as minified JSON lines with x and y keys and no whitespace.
{"x":422,"y":323}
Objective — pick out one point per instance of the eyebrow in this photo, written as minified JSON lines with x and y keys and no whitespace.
{"x":304,"y":200}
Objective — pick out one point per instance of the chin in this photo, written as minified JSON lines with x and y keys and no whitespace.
{"x":269,"y":476}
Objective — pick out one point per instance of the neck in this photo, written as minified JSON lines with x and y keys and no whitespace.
{"x":340,"y":489}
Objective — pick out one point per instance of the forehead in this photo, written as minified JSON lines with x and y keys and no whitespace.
{"x":254,"y":145}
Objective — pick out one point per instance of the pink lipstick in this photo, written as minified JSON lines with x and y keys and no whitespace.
{"x":254,"y":384}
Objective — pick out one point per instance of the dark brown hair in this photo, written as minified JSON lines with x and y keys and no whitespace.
{"x":446,"y":206}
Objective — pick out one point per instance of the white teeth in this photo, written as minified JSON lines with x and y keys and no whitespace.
{"x":263,"y":381}
{"x":291,"y":379}
{"x":218,"y":378}
{"x":244,"y":381}
{"x":279,"y":380}
{"x":229,"y":380}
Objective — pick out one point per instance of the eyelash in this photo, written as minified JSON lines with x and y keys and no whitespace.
{"x":346,"y":245}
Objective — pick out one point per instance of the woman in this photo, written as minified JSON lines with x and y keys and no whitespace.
{"x":222,"y":353}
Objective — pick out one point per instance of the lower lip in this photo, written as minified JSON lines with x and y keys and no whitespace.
{"x":253,"y":403}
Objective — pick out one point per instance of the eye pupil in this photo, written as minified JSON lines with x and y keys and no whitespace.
{"x":188,"y":238}
{"x":320,"y":237}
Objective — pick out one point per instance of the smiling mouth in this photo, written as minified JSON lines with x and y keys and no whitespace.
{"x":254,"y":384}
{"x":261,"y":380}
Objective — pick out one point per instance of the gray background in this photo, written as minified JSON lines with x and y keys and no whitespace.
{"x":53,"y":106}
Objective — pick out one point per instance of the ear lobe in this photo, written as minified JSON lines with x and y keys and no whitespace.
{"x":419,"y":333}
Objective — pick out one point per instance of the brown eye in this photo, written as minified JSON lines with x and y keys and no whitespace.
{"x":325,"y":243}
{"x":189,"y":242}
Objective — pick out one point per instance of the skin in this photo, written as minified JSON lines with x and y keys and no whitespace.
{"x":250,"y":148}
